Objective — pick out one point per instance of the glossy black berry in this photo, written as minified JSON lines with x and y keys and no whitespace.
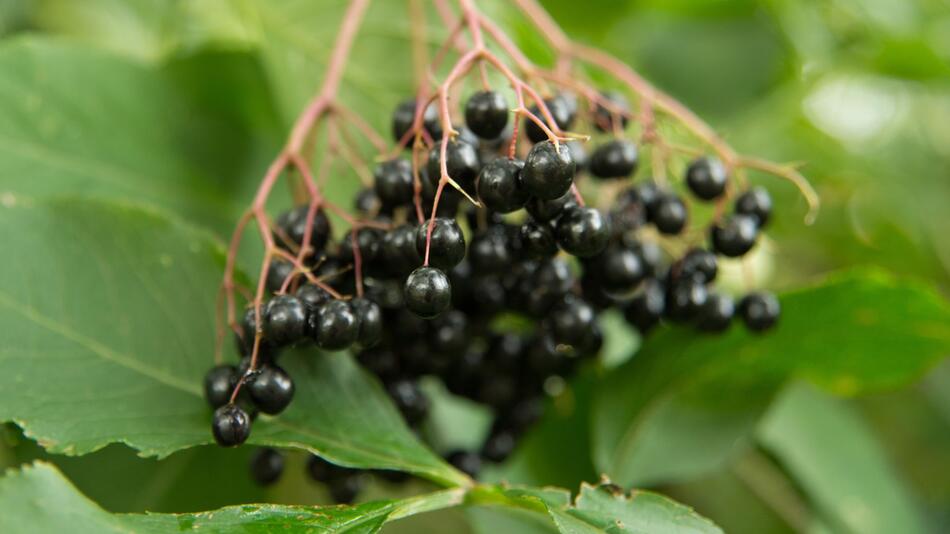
{"x":583,"y":232}
{"x":706,"y":178}
{"x":322,"y":470}
{"x":448,"y":333}
{"x":467,"y":462}
{"x":427,"y":292}
{"x":685,"y":299}
{"x":608,"y":118}
{"x":285,"y":320}
{"x":335,"y":326}
{"x":231,"y":425}
{"x":499,"y":185}
{"x":398,"y":251}
{"x":345,"y":489}
{"x":293,"y":225}
{"x":571,"y":322}
{"x":614,"y":159}
{"x":312,"y":297}
{"x":280,"y":270}
{"x":537,"y":240}
{"x":735,"y":236}
{"x":757,"y":203}
{"x":697,"y":263}
{"x":562,"y":109}
{"x":266,"y":466}
{"x":486,"y":114}
{"x":392,"y":181}
{"x":462,"y":163}
{"x":271,"y":389}
{"x":628,"y":212}
{"x":645,"y":309}
{"x":219,"y":384}
{"x":620,"y":268}
{"x":367,"y":203}
{"x":447,"y":247}
{"x":499,"y":446}
{"x":410,"y":400}
{"x":760,"y":311}
{"x":405,"y":114}
{"x":491,"y":251}
{"x":548,"y":171}
{"x":370,"y":318}
{"x":669,"y":215}
{"x":716,"y":314}
{"x":542,"y":210}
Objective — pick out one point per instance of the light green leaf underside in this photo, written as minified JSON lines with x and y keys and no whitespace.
{"x":109,"y":328}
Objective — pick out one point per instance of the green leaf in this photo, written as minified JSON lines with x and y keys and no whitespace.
{"x":853,"y":333}
{"x":834,"y":457}
{"x":109,"y":329}
{"x":39,"y":499}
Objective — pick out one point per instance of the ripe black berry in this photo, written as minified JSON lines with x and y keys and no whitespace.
{"x":345,"y":488}
{"x":294,"y":224}
{"x":467,"y":462}
{"x":398,"y":251}
{"x":366,"y":202}
{"x":405,"y":113}
{"x":619,"y":268}
{"x":370,"y":318}
{"x":427,"y":292}
{"x":571,"y":322}
{"x":628,"y":212}
{"x":312,"y":297}
{"x":757,"y":203}
{"x":548,"y":171}
{"x":606,"y":119}
{"x":266,"y":466}
{"x":735,"y":236}
{"x":562,"y":109}
{"x":537,"y":240}
{"x":706,"y":178}
{"x":491,"y":251}
{"x":614,"y":159}
{"x":486,"y":114}
{"x":669,"y":215}
{"x":285,"y":320}
{"x":685,"y":299}
{"x":759,"y":311}
{"x":219,"y":384}
{"x":583,"y":232}
{"x":231,"y":425}
{"x":279,"y":271}
{"x":716,"y":314}
{"x":271,"y":389}
{"x":697,"y":263}
{"x":645,"y":309}
{"x":392,"y":181}
{"x":335,"y":326}
{"x":499,"y":185}
{"x":411,"y":401}
{"x":499,"y":446}
{"x":447,"y":247}
{"x":461,"y":161}
{"x":448,"y":333}
{"x":542,"y":210}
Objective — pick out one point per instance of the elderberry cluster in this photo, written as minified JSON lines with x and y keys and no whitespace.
{"x":439,"y":296}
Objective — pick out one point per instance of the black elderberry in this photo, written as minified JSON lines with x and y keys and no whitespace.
{"x":369,"y":240}
{"x":285,"y":320}
{"x":542,"y":210}
{"x":499,"y":185}
{"x":366,"y":202}
{"x":548,"y":170}
{"x":271,"y":389}
{"x":650,"y":253}
{"x":757,"y":203}
{"x":488,"y":294}
{"x":467,"y":462}
{"x":505,"y":351}
{"x":392,"y":181}
{"x":760,"y":311}
{"x":706,"y":178}
{"x":716,"y":314}
{"x":685,"y":299}
{"x":335,"y":326}
{"x":448,"y":333}
{"x":266,"y":466}
{"x":461,"y":161}
{"x":563,"y":110}
{"x":499,"y":446}
{"x":231,"y":425}
{"x":398,"y":251}
{"x":345,"y":488}
{"x":620,"y":268}
{"x":405,"y":114}
{"x":537,"y":240}
{"x":669,"y":215}
{"x":410,"y":400}
{"x":697,"y":263}
{"x":491,"y":251}
{"x":219,"y":384}
{"x":312,"y":297}
{"x":447,"y":247}
{"x":605,"y":119}
{"x":583,"y":232}
{"x":614,"y":159}
{"x":628,"y":212}
{"x":321,"y":470}
{"x":547,"y":285}
{"x":735,"y":236}
{"x":427,"y":292}
{"x":370,"y":319}
{"x":293,"y":224}
{"x":579,"y":155}
{"x":486,"y":114}
{"x":571,"y":322}
{"x":280,"y":270}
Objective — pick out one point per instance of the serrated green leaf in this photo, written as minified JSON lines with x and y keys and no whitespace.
{"x":109,"y":329}
{"x":854,"y":333}
{"x":38,"y":498}
{"x":836,"y":460}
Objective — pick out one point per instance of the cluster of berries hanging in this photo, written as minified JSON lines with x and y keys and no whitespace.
{"x":481,"y":218}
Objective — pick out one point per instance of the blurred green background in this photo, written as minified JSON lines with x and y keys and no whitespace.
{"x":860,"y":90}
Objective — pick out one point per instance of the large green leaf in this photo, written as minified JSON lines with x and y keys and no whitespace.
{"x":853,"y":333}
{"x":39,"y":499}
{"x":108,"y":314}
{"x":831,"y":453}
